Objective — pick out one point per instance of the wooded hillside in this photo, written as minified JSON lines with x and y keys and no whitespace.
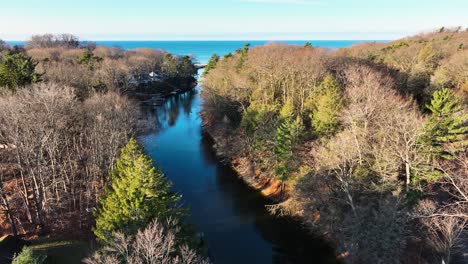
{"x":367,"y":144}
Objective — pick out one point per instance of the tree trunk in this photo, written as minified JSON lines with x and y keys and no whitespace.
{"x":408,"y":175}
{"x":8,"y":212}
{"x":37,"y":196}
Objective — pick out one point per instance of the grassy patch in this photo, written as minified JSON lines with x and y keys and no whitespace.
{"x":62,"y":251}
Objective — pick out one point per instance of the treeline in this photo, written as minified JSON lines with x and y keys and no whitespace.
{"x":62,"y":59}
{"x":422,"y":64}
{"x":369,"y":143}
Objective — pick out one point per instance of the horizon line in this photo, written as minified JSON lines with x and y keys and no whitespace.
{"x":214,"y":40}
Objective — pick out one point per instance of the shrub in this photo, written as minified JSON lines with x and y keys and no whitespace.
{"x":27,"y":257}
{"x":17,"y":70}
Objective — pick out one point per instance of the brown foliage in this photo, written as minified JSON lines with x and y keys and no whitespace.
{"x":360,"y":183}
{"x":114,"y":69}
{"x":424,"y":62}
{"x":107,"y":69}
{"x":63,"y":149}
{"x":271,"y":74}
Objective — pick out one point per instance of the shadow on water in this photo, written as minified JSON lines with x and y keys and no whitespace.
{"x":230,"y":214}
{"x":291,"y":241}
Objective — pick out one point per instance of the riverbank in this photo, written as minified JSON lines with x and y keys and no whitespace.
{"x":232,"y":216}
{"x":351,"y":136}
{"x":226,"y":145}
{"x":223,"y":142}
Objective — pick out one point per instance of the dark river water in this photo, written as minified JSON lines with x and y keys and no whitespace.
{"x":232,"y":216}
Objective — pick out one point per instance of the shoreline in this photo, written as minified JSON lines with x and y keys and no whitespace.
{"x":268,"y":188}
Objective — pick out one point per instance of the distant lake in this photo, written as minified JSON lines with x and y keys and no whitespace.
{"x":202,"y":50}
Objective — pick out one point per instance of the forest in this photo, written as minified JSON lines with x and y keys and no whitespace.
{"x":366,"y":144}
{"x":63,"y":60}
{"x":69,"y":164}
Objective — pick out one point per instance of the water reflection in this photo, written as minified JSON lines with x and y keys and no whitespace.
{"x":170,"y":111}
{"x":231,"y":215}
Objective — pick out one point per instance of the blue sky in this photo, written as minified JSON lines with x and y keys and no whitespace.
{"x":228,"y":19}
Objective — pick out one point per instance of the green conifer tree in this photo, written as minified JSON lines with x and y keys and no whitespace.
{"x":287,"y":133}
{"x":325,"y":106}
{"x":185,"y":68}
{"x":138,"y":194}
{"x":169,"y":66}
{"x":242,"y":55}
{"x":211,"y":64}
{"x":446,"y":131}
{"x":89,"y":59}
{"x":308,"y":45}
{"x":17,"y":70}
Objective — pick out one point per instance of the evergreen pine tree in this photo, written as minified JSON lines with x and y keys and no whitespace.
{"x":308,"y":45}
{"x":17,"y":70}
{"x":211,"y":64}
{"x":185,"y":68}
{"x":287,"y":133}
{"x":169,"y":66}
{"x":138,"y":194}
{"x":242,"y":55}
{"x":283,"y":146}
{"x":445,"y":132}
{"x":89,"y":59}
{"x":325,"y":105}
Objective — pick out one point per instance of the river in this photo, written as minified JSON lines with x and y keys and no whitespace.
{"x":231,"y":215}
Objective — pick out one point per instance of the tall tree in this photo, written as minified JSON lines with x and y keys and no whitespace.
{"x":169,"y":66}
{"x":186,"y":68}
{"x":211,"y":63}
{"x":284,"y":133}
{"x":308,"y":45}
{"x":242,"y":55}
{"x":138,"y":194}
{"x":446,"y":131}
{"x":325,"y":105}
{"x":287,"y":134}
{"x":6,"y":208}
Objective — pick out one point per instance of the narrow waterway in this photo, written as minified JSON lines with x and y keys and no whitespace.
{"x":232,"y":217}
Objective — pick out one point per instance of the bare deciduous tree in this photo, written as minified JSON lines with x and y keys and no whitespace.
{"x":63,"y":149}
{"x":157,"y":243}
